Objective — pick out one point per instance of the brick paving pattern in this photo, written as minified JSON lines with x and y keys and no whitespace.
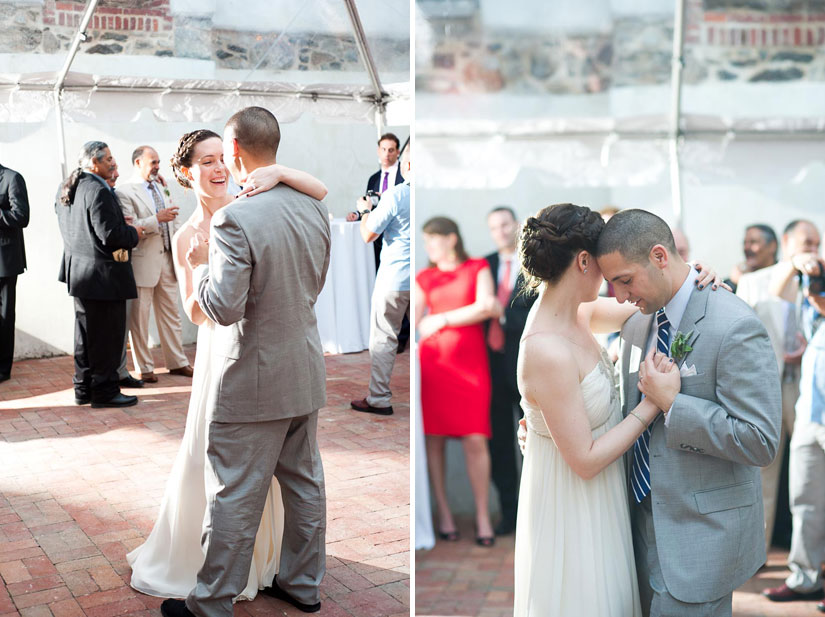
{"x":462,"y":579}
{"x":80,"y":487}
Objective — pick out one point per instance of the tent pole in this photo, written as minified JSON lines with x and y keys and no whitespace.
{"x":677,"y":64}
{"x":79,"y":37}
{"x":369,"y":64}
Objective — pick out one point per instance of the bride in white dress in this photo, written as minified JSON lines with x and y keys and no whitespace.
{"x":167,"y":564}
{"x":574,"y":549}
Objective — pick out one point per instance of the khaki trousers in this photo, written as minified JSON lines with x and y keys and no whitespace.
{"x":388,"y":310}
{"x":770,"y":474}
{"x":164,"y":298}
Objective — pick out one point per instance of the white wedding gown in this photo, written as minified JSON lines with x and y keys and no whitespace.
{"x":167,"y":564}
{"x":574,"y":549}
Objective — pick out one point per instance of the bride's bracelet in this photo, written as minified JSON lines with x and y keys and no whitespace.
{"x":639,"y":418}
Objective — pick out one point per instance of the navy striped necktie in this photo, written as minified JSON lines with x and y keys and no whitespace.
{"x":640,"y":474}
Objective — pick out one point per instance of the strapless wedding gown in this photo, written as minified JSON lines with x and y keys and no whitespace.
{"x":167,"y":564}
{"x":574,"y":549}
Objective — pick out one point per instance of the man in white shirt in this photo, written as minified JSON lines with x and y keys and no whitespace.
{"x":391,"y":296}
{"x":780,"y":320}
{"x":143,"y":199}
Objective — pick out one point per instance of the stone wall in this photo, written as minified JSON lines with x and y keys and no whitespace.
{"x":723,"y":42}
{"x":146,"y":27}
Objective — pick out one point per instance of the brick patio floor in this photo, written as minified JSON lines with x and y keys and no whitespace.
{"x":80,"y":487}
{"x":460,"y":578}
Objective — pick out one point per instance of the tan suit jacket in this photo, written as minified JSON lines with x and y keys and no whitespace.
{"x":754,"y":288}
{"x":147,"y":257}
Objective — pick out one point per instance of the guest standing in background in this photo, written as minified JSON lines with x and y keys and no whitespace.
{"x":125,"y":379}
{"x":503,"y":336}
{"x":807,"y":458}
{"x":780,"y":320}
{"x":14,"y":216}
{"x":759,"y":248}
{"x":391,"y":295}
{"x":143,"y":199}
{"x":454,"y":297}
{"x":96,"y":268}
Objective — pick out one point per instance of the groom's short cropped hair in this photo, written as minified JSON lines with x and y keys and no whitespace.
{"x":632,"y":233}
{"x":257,"y":131}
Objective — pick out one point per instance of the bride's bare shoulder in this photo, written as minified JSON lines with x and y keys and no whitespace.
{"x":546,"y":348}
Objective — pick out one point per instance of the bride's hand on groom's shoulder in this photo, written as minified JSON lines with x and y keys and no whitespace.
{"x":659,"y":380}
{"x":522,"y":435}
{"x":260,"y":180}
{"x":709,"y":276}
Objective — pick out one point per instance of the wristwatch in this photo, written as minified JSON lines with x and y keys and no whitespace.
{"x":362,"y":213}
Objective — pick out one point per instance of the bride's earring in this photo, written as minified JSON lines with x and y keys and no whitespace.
{"x":585,"y":270}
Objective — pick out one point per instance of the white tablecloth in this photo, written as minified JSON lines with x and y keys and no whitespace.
{"x":343,"y":307}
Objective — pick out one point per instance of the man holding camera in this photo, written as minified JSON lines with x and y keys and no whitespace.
{"x":385,"y":178}
{"x":800,"y":278}
{"x":388,"y":176}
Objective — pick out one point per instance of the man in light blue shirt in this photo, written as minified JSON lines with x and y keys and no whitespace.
{"x":391,"y":296}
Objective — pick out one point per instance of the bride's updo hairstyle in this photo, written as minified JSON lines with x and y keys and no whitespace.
{"x":186,"y":149}
{"x":550,"y":241}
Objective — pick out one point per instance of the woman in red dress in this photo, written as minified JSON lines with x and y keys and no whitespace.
{"x":456,"y":293}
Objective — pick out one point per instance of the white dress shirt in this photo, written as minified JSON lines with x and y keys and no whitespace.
{"x":674,"y":310}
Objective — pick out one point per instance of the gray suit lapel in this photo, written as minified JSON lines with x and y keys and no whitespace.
{"x":636,"y":337}
{"x":694,"y":313}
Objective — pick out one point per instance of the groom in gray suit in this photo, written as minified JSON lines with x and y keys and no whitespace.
{"x":267,"y":260}
{"x":693,"y":477}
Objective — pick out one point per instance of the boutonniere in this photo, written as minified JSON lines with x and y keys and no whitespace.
{"x":166,"y":192}
{"x":680,"y":347}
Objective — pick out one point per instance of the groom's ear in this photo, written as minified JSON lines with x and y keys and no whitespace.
{"x":659,"y":256}
{"x":235,"y":148}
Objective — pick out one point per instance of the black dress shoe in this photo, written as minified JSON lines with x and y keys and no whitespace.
{"x":130,"y":382}
{"x":505,"y":528}
{"x":4,"y":377}
{"x":363,"y":405}
{"x":82,"y":400}
{"x":402,"y":345}
{"x":118,"y":400}
{"x":276,"y":592}
{"x":175,"y":608}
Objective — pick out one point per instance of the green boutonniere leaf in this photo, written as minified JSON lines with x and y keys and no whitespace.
{"x":680,"y":347}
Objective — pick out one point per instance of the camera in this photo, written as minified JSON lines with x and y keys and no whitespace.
{"x":814,"y":284}
{"x":373,"y":198}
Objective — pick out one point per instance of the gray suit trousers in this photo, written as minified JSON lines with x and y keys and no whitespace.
{"x":240,"y":461}
{"x":655,"y":598}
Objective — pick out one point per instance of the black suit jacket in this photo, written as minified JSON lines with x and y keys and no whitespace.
{"x":374,"y":183}
{"x":515,"y":316}
{"x":14,"y":216}
{"x":93,"y":228}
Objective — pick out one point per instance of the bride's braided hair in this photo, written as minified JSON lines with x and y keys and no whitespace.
{"x":550,"y":241}
{"x":183,"y":155}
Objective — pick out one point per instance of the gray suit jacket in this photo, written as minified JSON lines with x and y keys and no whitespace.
{"x":706,"y":488}
{"x":268,"y":259}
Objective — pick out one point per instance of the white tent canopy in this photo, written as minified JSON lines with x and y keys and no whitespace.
{"x":334,"y":72}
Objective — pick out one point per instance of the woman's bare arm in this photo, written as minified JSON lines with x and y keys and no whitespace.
{"x":180,"y":244}
{"x":551,"y":380}
{"x":264,"y":178}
